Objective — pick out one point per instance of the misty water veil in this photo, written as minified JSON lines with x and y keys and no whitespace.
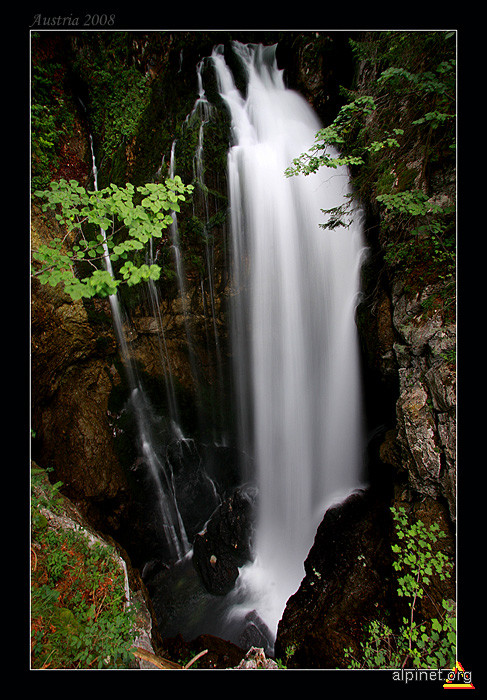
{"x":297,"y":389}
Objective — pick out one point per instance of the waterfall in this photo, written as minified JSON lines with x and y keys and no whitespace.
{"x":294,"y":339}
{"x":160,"y":470}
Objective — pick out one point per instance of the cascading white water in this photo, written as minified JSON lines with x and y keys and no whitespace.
{"x":294,"y":338}
{"x":161,"y":472}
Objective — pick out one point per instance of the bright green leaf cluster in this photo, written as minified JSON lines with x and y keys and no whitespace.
{"x":413,"y":202}
{"x":102,"y":227}
{"x":435,"y":82}
{"x":335,"y":135}
{"x":425,"y":645}
{"x":133,"y":275}
{"x":415,"y":557}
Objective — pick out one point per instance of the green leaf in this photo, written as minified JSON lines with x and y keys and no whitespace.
{"x":436,"y":625}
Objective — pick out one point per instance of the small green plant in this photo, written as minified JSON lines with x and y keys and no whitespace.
{"x":429,"y":644}
{"x":290,"y":651}
{"x":450,"y":356}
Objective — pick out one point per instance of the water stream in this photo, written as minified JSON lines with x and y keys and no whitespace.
{"x":294,"y":337}
{"x":160,"y":469}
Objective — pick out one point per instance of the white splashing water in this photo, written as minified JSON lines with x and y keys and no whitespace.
{"x":295,"y":343}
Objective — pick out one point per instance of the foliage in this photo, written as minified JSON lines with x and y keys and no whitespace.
{"x":114,"y":85}
{"x":320,"y":154}
{"x":79,"y":615}
{"x":51,"y":119}
{"x":429,"y":644}
{"x":129,"y":96}
{"x":109,"y":224}
{"x":289,"y":651}
{"x":337,"y":135}
{"x":396,"y":133}
{"x":119,"y":90}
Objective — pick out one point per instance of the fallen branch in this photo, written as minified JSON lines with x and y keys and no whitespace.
{"x":35,"y":559}
{"x":195,"y":658}
{"x":158,"y":661}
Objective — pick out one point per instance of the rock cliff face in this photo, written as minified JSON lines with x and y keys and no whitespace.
{"x":426,"y":406}
{"x":409,"y":340}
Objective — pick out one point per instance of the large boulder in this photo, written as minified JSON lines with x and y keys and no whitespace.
{"x":224,"y":545}
{"x":346,"y":584}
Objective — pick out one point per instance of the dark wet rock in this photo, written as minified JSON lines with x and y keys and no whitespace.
{"x":346,"y":584}
{"x":255,"y":633}
{"x":224,"y":545}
